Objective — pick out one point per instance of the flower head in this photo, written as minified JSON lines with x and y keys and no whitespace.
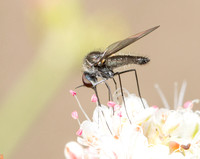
{"x":150,"y":133}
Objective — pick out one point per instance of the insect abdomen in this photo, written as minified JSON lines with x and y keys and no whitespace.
{"x":118,"y":61}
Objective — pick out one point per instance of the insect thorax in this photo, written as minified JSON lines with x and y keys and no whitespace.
{"x":91,"y":60}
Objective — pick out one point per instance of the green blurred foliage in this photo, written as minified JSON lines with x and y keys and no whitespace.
{"x":66,"y":35}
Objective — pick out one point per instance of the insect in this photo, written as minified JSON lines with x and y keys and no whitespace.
{"x":101,"y":65}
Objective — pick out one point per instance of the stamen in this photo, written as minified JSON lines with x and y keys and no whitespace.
{"x":111,"y":104}
{"x":154,"y":106}
{"x":188,"y":104}
{"x":94,"y":98}
{"x":173,"y":146}
{"x":74,"y":94}
{"x":186,"y":147}
{"x":139,"y":129}
{"x":182,"y":93}
{"x":196,"y":101}
{"x":75,"y":116}
{"x":79,"y":132}
{"x":165,"y":103}
{"x":175,"y":95}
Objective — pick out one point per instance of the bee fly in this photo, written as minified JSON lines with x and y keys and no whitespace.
{"x":101,"y":64}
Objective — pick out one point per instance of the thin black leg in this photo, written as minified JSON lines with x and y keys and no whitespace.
{"x":120,"y":84}
{"x":99,"y":104}
{"x":109,"y":92}
{"x":115,"y":83}
{"x":98,"y":100}
{"x":115,"y":87}
{"x":137,"y":82}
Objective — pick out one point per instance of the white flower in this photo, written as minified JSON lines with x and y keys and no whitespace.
{"x":149,"y":133}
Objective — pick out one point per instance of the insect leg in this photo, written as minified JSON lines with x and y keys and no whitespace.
{"x":99,"y":82}
{"x":110,"y":95}
{"x":103,"y":75}
{"x":99,"y":104}
{"x":98,"y":100}
{"x":115,"y":87}
{"x":137,"y":82}
{"x":120,"y":84}
{"x":115,"y":83}
{"x":109,"y":92}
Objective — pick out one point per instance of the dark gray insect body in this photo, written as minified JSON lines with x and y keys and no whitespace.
{"x":101,"y":64}
{"x":118,"y":61}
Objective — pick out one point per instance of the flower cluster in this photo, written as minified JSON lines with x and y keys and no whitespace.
{"x":150,"y":133}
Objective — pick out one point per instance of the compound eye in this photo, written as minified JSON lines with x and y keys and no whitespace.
{"x":86,"y":82}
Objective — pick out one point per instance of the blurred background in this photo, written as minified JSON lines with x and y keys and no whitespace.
{"x":43,"y":42}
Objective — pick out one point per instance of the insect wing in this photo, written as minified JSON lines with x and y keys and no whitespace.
{"x":115,"y":47}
